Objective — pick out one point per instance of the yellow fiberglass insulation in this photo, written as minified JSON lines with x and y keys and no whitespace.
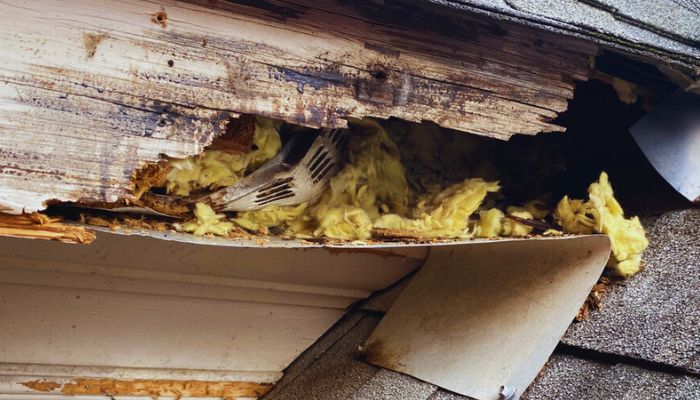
{"x":494,"y":223}
{"x":603,"y":214}
{"x":536,"y":208}
{"x":515,"y":228}
{"x":371,"y":183}
{"x":260,"y":220}
{"x":444,"y":215}
{"x":371,"y":191}
{"x":215,"y":169}
{"x":490,"y":223}
{"x":206,"y":222}
{"x":371,"y":194}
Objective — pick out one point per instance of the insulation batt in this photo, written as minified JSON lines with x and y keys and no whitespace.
{"x":490,"y":223}
{"x":206,"y":222}
{"x":446,"y":214}
{"x":403,"y":189}
{"x":214,"y":169}
{"x":603,"y":214}
{"x":268,"y":217}
{"x":514,"y":228}
{"x":370,"y":184}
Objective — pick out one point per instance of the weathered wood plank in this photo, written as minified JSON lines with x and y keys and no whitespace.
{"x":90,"y":91}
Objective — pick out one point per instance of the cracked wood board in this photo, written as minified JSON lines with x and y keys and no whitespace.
{"x":91,"y":91}
{"x":476,"y":318}
{"x":39,"y":226}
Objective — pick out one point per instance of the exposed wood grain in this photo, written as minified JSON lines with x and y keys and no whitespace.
{"x":91,"y":91}
{"x":153,"y":388}
{"x":39,"y":226}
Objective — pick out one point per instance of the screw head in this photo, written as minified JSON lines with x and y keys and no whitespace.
{"x":506,"y":393}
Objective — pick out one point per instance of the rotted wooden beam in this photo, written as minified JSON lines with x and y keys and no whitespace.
{"x":92,"y":91}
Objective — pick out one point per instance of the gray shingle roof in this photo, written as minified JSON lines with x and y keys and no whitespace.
{"x":666,"y":30}
{"x":568,"y":377}
{"x":654,"y":315}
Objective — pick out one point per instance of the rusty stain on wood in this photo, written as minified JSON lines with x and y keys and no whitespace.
{"x":90,"y":42}
{"x":153,"y":388}
{"x":41,"y":385}
{"x":160,"y":18}
{"x":40,"y":226}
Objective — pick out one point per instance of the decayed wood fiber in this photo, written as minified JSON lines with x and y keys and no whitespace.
{"x":92,"y":91}
{"x":40,"y":226}
{"x":153,"y":388}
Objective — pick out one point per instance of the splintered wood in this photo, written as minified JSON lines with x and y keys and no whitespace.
{"x":153,"y":388}
{"x":92,"y":91}
{"x":39,"y":226}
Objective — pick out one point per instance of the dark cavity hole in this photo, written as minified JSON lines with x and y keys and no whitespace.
{"x":379,"y":74}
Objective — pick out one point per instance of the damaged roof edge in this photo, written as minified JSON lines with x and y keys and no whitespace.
{"x":602,"y":25}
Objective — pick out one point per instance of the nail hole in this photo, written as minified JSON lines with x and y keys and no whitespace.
{"x":171,"y":63}
{"x":160,"y":18}
{"x":379,"y":74}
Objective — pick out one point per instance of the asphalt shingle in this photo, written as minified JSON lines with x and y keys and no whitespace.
{"x":569,"y":377}
{"x":337,"y":374}
{"x":391,"y":385}
{"x":334,"y":375}
{"x":665,"y":31}
{"x":313,"y":353}
{"x":679,"y":18}
{"x":654,"y":315}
